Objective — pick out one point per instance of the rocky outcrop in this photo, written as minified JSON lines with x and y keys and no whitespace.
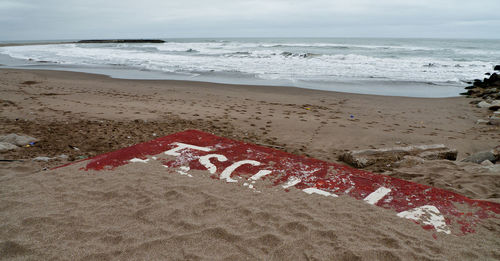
{"x":122,"y":41}
{"x":481,"y":156}
{"x":386,"y":157}
{"x":487,"y":89}
{"x":492,"y":156}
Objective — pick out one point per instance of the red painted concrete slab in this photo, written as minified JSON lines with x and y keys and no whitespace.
{"x":244,"y":163}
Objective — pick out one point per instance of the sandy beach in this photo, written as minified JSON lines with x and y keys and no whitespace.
{"x":125,"y":214}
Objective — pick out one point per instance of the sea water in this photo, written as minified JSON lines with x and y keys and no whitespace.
{"x":400,"y":67}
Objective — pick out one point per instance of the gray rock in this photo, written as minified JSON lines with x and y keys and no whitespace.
{"x":487,"y":163}
{"x":438,"y":154}
{"x":19,"y":140}
{"x":5,"y":146}
{"x":388,"y":156}
{"x":480,"y":157}
{"x":409,"y":161}
{"x":496,"y":152}
{"x":493,"y":105}
{"x":494,"y":120}
{"x":42,"y":159}
{"x":483,"y":104}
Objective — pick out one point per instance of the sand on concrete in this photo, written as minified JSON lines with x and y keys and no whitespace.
{"x":146,"y":212}
{"x":151,"y":214}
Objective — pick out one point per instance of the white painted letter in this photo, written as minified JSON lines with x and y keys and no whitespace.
{"x":205,"y":161}
{"x":226,"y":174}
{"x":183,"y":170}
{"x":377,"y":195}
{"x":319,"y":191}
{"x":139,"y":160}
{"x":292,"y":181}
{"x":429,"y":215}
{"x":260,"y":174}
{"x":181,"y":146}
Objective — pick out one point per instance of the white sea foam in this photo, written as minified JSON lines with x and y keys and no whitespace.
{"x":440,"y":62}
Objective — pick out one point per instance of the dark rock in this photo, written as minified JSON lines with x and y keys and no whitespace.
{"x":479,"y":85}
{"x":122,"y":41}
{"x":487,"y":74}
{"x":29,"y":82}
{"x":488,"y":89}
{"x":497,"y":68}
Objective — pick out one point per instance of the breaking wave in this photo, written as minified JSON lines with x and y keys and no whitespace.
{"x":430,"y":61}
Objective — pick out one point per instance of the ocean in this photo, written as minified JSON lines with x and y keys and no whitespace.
{"x":398,"y":67}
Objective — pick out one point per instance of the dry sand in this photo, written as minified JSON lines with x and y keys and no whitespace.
{"x":146,"y":214}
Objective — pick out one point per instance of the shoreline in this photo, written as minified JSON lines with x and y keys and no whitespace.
{"x":258,"y":87}
{"x":361,"y":87}
{"x":404,"y":81}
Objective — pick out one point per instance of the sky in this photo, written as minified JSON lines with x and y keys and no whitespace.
{"x":91,"y":19}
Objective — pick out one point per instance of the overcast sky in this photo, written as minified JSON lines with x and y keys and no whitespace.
{"x":72,"y":19}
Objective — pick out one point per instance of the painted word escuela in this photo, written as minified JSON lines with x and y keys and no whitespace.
{"x":233,"y":161}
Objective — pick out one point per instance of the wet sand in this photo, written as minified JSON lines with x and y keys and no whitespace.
{"x":69,"y":215}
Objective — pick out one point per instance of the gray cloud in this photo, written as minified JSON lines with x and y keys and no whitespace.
{"x":68,"y":19}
